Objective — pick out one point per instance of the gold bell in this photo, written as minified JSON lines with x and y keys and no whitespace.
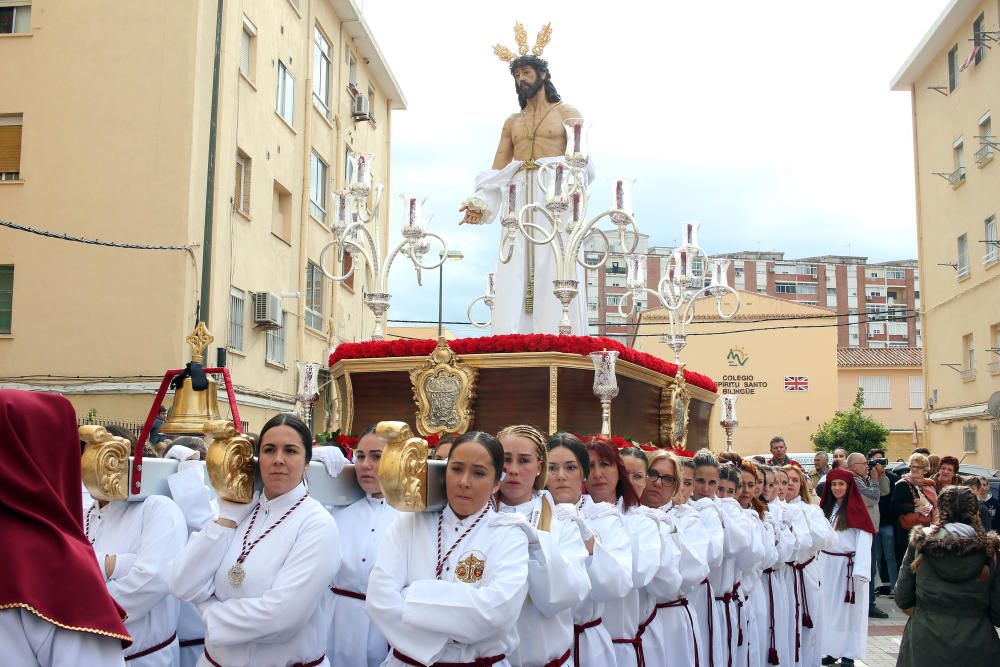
{"x":191,"y":409}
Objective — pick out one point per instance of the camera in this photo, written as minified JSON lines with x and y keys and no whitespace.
{"x":877,"y":462}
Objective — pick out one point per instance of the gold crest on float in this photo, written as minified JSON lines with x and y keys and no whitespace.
{"x":104,"y":464}
{"x":229,"y":462}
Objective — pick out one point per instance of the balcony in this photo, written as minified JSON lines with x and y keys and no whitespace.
{"x":984,"y":155}
{"x":957,"y":177}
{"x":967,"y":374}
{"x":620,"y":270}
{"x":994,"y":367}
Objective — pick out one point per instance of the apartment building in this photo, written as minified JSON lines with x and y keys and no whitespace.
{"x":110,"y":129}
{"x":953,"y":78}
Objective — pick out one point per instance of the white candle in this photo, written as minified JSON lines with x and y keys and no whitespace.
{"x":491,"y":284}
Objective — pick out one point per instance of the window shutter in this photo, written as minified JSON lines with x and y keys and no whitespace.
{"x":10,"y":148}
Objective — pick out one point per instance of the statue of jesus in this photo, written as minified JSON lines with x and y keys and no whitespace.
{"x":530,"y":138}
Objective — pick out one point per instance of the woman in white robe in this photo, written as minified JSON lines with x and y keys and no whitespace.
{"x":752,"y":601}
{"x":675,"y":627}
{"x":362,"y":525}
{"x":134,"y":543}
{"x":609,"y":483}
{"x":609,"y":563}
{"x":557,"y":577}
{"x":777,"y":620}
{"x":844,"y":571}
{"x":448,"y":586}
{"x":807,"y":583}
{"x":261,"y":572}
{"x":795,"y":520}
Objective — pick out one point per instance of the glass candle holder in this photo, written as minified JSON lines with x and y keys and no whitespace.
{"x":360,"y":184}
{"x":635,"y":271}
{"x":605,"y":384}
{"x":556,"y":187}
{"x":577,"y":142}
{"x":491,"y":284}
{"x":689,"y":232}
{"x":414,"y":220}
{"x":621,"y":199}
{"x":511,"y":199}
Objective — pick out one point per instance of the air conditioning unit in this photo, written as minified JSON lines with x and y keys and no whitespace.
{"x":266,"y":310}
{"x":360,"y":110}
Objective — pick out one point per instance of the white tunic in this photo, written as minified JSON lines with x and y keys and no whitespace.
{"x":610,"y":572}
{"x":780,"y":582}
{"x":845,"y":626}
{"x":760,"y":593}
{"x":557,"y":583}
{"x":622,"y":617}
{"x":145,"y":536}
{"x":281,"y":612}
{"x":807,"y":579}
{"x":472,"y":611}
{"x":664,"y":587}
{"x":353,"y":639}
{"x":747,"y":566}
{"x":702,"y":598}
{"x":27,"y":640}
{"x":512,"y":279}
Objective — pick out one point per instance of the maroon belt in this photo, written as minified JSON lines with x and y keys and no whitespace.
{"x":348,"y":594}
{"x":711,"y":630}
{"x":849,"y":592}
{"x":478,"y":662}
{"x":683,"y":602}
{"x":186,"y":643}
{"x":152,"y":649}
{"x":557,"y":662}
{"x":739,"y":612}
{"x":311,"y":663}
{"x":726,"y":599}
{"x":800,"y":571}
{"x":636,"y":643}
{"x":577,"y":631}
{"x":772,"y":651}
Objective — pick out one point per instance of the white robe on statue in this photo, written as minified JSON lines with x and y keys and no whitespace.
{"x":145,"y":536}
{"x":27,"y":640}
{"x":353,"y":639}
{"x":610,"y":572}
{"x":845,"y":625}
{"x":557,"y":583}
{"x":281,"y":612}
{"x":454,"y":619}
{"x":512,"y":278}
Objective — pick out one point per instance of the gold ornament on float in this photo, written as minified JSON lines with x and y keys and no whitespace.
{"x":409,"y":481}
{"x":192,"y":408}
{"x":229,"y":461}
{"x":104,"y":465}
{"x":521,"y":37}
{"x":444,"y":389}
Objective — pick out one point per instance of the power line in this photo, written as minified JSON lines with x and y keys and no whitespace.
{"x":80,"y":239}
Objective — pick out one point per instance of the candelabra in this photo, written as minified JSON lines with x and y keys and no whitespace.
{"x":728,"y":421}
{"x":564,"y":225}
{"x":605,"y":384}
{"x":488,"y":298}
{"x":684,"y":282}
{"x":351,"y":236}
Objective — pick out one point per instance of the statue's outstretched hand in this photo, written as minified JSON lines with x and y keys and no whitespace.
{"x":475,"y":211}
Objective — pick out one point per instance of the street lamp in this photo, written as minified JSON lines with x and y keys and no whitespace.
{"x":455,"y":255}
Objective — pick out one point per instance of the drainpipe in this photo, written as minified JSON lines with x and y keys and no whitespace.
{"x":206,"y":252}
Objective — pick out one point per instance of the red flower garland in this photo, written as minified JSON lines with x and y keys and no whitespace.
{"x":582,"y":345}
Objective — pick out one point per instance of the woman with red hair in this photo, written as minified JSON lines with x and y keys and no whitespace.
{"x":844,"y":571}
{"x":609,"y":483}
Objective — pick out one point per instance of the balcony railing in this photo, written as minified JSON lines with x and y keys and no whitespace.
{"x":984,"y":154}
{"x":956,"y":177}
{"x":967,"y":374}
{"x":994,"y":367}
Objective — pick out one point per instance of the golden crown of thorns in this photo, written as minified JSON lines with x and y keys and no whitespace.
{"x":541,"y":41}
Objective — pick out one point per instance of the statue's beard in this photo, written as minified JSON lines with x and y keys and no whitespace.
{"x":528,"y":90}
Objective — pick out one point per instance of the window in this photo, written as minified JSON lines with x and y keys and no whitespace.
{"x":953,"y":68}
{"x":276,"y":342}
{"x":241,"y":195}
{"x":831,"y":276}
{"x":784,"y":288}
{"x":248,"y":49}
{"x":853,"y":330}
{"x":314,"y":297}
{"x":958,"y":154}
{"x":286,"y":94}
{"x":10,"y":147}
{"x":321,"y":72}
{"x":990,"y":236}
{"x":831,"y":296}
{"x":281,"y":213}
{"x":875,"y":391}
{"x":237,"y":299}
{"x":371,"y":103}
{"x":761,"y":272}
{"x":969,"y":358}
{"x":613,"y":299}
{"x":895,"y":274}
{"x":16,"y":19}
{"x":6,"y":298}
{"x":806,"y":288}
{"x":317,"y":188}
{"x":348,"y":167}
{"x":978,"y":28}
{"x":352,"y":71}
{"x":969,"y":439}
{"x":963,"y":256}
{"x":916,"y":391}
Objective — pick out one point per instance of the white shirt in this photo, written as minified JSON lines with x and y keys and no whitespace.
{"x":27,"y":640}
{"x":281,"y":612}
{"x":145,"y":536}
{"x":471,"y":611}
{"x":557,"y":582}
{"x":353,"y":639}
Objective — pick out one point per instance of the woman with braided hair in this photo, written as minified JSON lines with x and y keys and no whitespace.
{"x":949,"y":586}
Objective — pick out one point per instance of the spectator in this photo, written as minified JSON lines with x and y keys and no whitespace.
{"x":873,"y":484}
{"x":934,"y":462}
{"x":839,"y":457}
{"x":913,"y":498}
{"x":779,"y":453}
{"x":821,"y":466}
{"x":976,"y":484}
{"x":954,"y":603}
{"x":921,"y":450}
{"x":991,"y":504}
{"x":884,"y":553}
{"x":154,"y":435}
{"x":836,"y":464}
{"x":947,"y":473}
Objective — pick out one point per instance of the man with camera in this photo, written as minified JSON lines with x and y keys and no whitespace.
{"x":869,"y":473}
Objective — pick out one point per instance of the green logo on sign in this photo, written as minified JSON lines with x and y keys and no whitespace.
{"x":737,"y":357}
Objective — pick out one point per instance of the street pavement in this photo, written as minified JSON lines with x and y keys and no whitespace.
{"x":884,"y":635}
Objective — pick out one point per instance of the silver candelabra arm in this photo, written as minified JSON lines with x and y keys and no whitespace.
{"x":488,"y":298}
{"x":365,"y":214}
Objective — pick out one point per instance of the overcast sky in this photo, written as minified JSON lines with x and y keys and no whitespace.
{"x":770,"y":121}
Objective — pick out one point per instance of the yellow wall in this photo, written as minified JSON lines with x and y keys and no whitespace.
{"x":956,"y":306}
{"x":115,"y":146}
{"x":768,"y":356}
{"x":900,"y":415}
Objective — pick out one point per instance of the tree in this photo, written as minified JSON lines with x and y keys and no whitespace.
{"x":851,"y":430}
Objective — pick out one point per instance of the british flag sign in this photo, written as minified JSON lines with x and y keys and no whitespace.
{"x":796,"y":383}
